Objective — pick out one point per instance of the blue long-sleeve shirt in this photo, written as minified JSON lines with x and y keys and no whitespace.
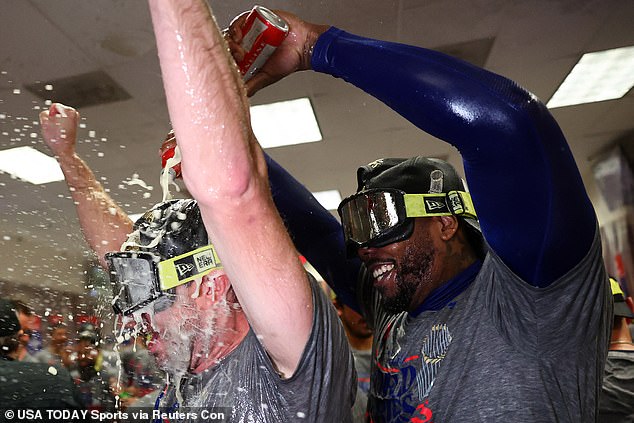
{"x":531,"y":202}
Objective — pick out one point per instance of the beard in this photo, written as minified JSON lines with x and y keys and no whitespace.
{"x":187,"y":342}
{"x":173,"y":332}
{"x":413,"y":270}
{"x":175,"y":350}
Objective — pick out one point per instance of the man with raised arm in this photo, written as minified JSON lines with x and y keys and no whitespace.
{"x":509,"y":322}
{"x":224,"y":170}
{"x":104,"y":224}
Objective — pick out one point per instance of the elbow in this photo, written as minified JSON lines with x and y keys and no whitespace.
{"x":242,"y":191}
{"x":229,"y":180}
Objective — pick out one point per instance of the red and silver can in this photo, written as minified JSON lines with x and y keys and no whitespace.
{"x":167,"y":152}
{"x":263,"y":31}
{"x":170,"y":165}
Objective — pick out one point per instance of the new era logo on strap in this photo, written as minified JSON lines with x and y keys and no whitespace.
{"x":205,"y":260}
{"x":184,"y":268}
{"x":432,"y":205}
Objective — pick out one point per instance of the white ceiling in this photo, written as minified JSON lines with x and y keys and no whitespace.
{"x":535,"y":42}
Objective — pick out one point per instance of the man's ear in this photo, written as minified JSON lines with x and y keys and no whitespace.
{"x":213,"y":289}
{"x":449,"y":227}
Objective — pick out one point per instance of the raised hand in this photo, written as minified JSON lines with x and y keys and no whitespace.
{"x":292,"y":55}
{"x":59,"y":129}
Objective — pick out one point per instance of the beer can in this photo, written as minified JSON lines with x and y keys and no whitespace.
{"x":167,"y":152}
{"x":263,"y":31}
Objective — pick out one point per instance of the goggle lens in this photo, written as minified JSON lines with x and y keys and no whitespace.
{"x":370,"y":214}
{"x":140,"y":277}
{"x":134,"y":278}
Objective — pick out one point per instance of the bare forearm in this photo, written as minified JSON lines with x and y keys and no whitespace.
{"x":104,"y":224}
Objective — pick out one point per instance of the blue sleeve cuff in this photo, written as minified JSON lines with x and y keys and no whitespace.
{"x":319,"y":60}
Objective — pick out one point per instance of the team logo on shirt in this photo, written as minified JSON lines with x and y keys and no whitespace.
{"x":433,"y":351}
{"x":405,"y":382}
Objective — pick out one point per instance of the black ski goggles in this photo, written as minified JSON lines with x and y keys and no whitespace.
{"x":378,"y":217}
{"x":139,"y":278}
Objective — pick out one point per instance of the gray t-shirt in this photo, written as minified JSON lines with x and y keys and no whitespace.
{"x":321,"y":390}
{"x":362,"y":364}
{"x":501,"y":351}
{"x":616,"y":404}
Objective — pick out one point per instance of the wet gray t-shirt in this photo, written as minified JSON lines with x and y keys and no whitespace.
{"x":501,"y":351}
{"x":362,"y":361}
{"x":321,"y":390}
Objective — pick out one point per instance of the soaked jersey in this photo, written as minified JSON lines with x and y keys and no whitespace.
{"x":501,"y":351}
{"x":246,"y":383}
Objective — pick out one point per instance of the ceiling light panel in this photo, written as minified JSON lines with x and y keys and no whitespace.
{"x":599,"y":76}
{"x":285,"y":123}
{"x":329,"y":199}
{"x":28,"y":164}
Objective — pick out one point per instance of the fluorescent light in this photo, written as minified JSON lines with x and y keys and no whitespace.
{"x":329,"y":199}
{"x":285,"y":123}
{"x":599,"y":76}
{"x":30,"y":165}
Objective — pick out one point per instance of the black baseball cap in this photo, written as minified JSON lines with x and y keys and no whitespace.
{"x":178,"y":224}
{"x":170,"y":230}
{"x":414,"y":175}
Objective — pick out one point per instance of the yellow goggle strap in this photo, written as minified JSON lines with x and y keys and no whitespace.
{"x":186,"y":267}
{"x":456,"y":203}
